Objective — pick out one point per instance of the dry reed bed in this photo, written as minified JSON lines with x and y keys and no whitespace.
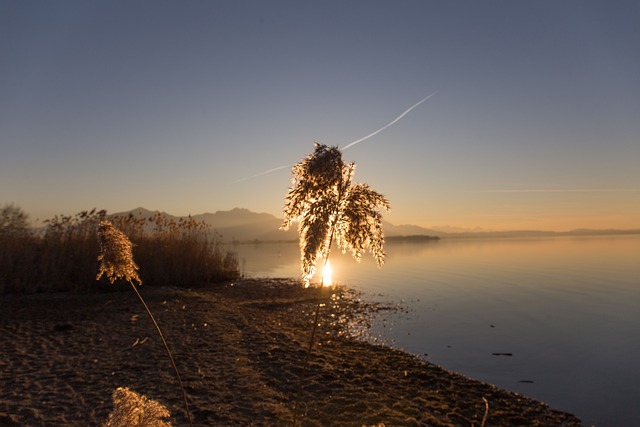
{"x":62,"y":255}
{"x":239,"y":348}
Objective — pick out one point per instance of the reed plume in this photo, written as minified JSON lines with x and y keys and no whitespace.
{"x":116,"y":255}
{"x":328,"y":206}
{"x":131,"y":409}
{"x":116,"y":261}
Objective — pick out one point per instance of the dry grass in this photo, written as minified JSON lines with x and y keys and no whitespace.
{"x":61,"y":256}
{"x":116,"y":262}
{"x":133,"y":410}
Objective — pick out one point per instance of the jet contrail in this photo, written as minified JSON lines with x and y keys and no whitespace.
{"x":262,"y":173}
{"x":407,"y":111}
{"x":389,"y":124}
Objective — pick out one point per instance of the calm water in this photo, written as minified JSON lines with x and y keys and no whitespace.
{"x":566,"y":309}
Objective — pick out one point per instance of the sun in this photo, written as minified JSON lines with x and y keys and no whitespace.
{"x":326,"y":274}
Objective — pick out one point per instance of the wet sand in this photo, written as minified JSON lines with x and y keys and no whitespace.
{"x":240,"y":349}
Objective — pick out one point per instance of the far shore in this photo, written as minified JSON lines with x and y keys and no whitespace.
{"x":419,"y":238}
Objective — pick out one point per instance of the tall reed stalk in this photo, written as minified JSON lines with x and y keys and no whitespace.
{"x":305,"y":363}
{"x":116,"y":261}
{"x":327,"y":205}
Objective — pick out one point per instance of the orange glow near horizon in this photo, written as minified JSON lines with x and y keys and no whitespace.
{"x":560,"y":223}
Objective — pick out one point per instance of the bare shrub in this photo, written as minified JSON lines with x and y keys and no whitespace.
{"x":13,"y":221}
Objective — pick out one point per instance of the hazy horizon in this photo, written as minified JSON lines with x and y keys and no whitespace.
{"x":181,"y":107}
{"x":443,"y":228}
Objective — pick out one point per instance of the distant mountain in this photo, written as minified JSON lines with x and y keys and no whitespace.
{"x":234,"y":217}
{"x":408,"y":230}
{"x":143,"y":213}
{"x":240,"y":225}
{"x":243,"y":225}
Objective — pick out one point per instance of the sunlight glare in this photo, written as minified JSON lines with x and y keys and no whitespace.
{"x":326,"y":274}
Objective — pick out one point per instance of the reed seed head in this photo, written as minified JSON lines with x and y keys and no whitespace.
{"x":132,"y":409}
{"x":327,"y":205}
{"x":116,"y":257}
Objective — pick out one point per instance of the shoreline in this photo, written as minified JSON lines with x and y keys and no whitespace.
{"x":239,"y":347}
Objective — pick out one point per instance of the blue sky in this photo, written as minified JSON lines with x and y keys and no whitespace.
{"x":535,"y":121}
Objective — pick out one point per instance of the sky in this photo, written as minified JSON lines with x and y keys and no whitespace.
{"x":534,"y":122}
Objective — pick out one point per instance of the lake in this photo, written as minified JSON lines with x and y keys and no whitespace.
{"x":556,"y":319}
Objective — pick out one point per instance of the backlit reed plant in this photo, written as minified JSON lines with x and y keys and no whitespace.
{"x":116,"y":262}
{"x":328,"y":206}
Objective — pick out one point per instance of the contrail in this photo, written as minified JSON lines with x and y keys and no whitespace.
{"x":262,"y":173}
{"x":396,"y":120}
{"x":407,"y":111}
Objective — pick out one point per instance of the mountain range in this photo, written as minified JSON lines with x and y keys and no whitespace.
{"x":243,"y":225}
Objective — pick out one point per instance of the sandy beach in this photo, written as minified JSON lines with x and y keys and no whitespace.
{"x":240,"y":348}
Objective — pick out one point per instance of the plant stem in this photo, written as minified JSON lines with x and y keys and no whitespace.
{"x":166,"y":347}
{"x":309,"y":348}
{"x":486,"y":411}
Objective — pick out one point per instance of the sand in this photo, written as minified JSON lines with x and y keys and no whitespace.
{"x":240,"y":348}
